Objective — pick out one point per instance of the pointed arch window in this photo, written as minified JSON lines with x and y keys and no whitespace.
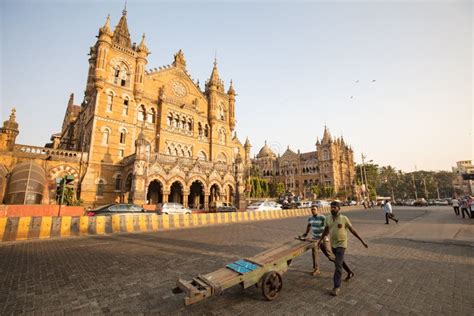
{"x":110,"y":101}
{"x":123,"y":135}
{"x":200,"y":130}
{"x":325,"y":155}
{"x":221,"y":111}
{"x":128,"y":183}
{"x":151,"y":116}
{"x":141,"y":113}
{"x":125,"y":106}
{"x":222,"y":136}
{"x":118,"y":182}
{"x":105,"y":136}
{"x":100,"y":187}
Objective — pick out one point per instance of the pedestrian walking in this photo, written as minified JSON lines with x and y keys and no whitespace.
{"x":455,"y":206}
{"x":465,"y":207}
{"x":316,"y":224}
{"x":336,"y":227}
{"x":387,"y":207}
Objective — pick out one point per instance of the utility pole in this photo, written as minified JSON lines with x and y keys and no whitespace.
{"x":364,"y":175}
{"x":414,"y":184}
{"x":437,"y":189}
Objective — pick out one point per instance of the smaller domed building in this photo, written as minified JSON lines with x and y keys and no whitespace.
{"x":331,"y":165}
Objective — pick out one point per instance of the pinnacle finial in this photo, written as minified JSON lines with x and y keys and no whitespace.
{"x":106,"y":28}
{"x":231,"y":90}
{"x":124,"y":11}
{"x":179,"y":60}
{"x":12,"y":114}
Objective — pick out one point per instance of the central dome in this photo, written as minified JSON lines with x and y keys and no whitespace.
{"x":265,"y":152}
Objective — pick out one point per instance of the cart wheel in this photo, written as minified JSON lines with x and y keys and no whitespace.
{"x":271,"y":285}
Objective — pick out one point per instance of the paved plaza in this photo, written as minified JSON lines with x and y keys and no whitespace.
{"x":423,"y":265}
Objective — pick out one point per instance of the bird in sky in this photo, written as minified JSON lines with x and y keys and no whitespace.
{"x":374,"y":80}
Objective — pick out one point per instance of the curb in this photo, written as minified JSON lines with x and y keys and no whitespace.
{"x":45,"y":227}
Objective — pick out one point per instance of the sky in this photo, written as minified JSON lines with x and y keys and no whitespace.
{"x":393,"y":78}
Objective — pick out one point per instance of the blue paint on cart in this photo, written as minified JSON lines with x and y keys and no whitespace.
{"x":242,"y":266}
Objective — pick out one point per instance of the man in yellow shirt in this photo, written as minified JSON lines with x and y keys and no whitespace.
{"x":337,"y":226}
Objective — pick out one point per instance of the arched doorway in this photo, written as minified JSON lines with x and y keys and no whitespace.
{"x":155,"y":192}
{"x":215,"y":195}
{"x":127,"y":188}
{"x":230,"y":194}
{"x":176,"y":192}
{"x":196,"y":195}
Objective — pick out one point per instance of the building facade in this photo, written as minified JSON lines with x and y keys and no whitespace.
{"x":330,"y":166}
{"x":465,"y":187}
{"x":142,"y":136}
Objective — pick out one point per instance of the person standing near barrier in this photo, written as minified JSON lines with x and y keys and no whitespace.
{"x":336,"y":227}
{"x":455,"y":206}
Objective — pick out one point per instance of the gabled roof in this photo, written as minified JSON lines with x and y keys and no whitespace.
{"x":288,"y":153}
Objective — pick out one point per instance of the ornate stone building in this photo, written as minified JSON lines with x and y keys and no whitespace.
{"x":331,"y":165}
{"x":146,"y":136}
{"x":462,"y":186}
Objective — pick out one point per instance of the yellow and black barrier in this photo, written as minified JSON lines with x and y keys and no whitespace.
{"x":31,"y":227}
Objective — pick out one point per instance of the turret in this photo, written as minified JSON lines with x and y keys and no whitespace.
{"x":9,"y":132}
{"x":143,"y":52}
{"x":327,"y":139}
{"x":247,"y":147}
{"x":231,"y":94}
{"x":141,"y":145}
{"x":213,"y":86}
{"x":97,"y":60}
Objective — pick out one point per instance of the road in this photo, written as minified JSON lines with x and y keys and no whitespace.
{"x":423,"y":265}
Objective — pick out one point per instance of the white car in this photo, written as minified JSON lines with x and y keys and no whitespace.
{"x":305,"y":204}
{"x":264,"y":206}
{"x":171,"y":208}
{"x":320,"y":203}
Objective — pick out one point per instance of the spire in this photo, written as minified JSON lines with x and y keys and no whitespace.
{"x":215,"y":74}
{"x":106,"y":28}
{"x":142,"y":47}
{"x":231,"y":90}
{"x":215,"y":80}
{"x":317,"y":141}
{"x":121,"y":34}
{"x":247,"y":143}
{"x":327,"y":136}
{"x":179,"y":60}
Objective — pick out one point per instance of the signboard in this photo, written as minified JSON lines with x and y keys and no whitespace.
{"x":468,"y":176}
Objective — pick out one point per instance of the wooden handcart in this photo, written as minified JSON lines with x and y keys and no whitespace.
{"x":264,"y":270}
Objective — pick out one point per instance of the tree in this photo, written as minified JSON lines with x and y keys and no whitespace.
{"x":276,"y":189}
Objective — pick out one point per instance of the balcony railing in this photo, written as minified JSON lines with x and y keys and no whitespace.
{"x":51,"y":153}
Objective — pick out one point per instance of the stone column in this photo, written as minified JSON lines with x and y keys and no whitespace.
{"x":165,"y":196}
{"x":206,"y":200}
{"x":185,"y":198}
